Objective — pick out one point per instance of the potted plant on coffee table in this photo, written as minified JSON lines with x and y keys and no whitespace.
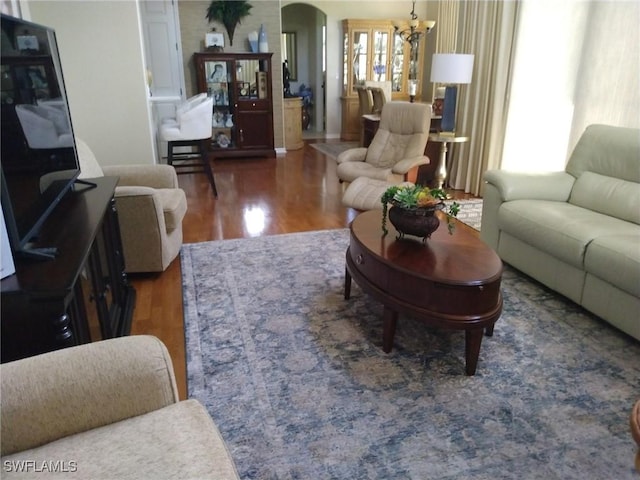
{"x":413,"y":210}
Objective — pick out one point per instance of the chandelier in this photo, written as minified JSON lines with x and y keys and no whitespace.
{"x":413,"y":34}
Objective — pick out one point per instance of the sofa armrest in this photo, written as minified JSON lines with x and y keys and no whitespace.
{"x":406,"y":164}
{"x":153,"y":176}
{"x":143,"y":227}
{"x":76,"y":389}
{"x":554,"y":186}
{"x":352,"y":155}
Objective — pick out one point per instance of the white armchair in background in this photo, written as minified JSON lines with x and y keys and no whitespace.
{"x":190,"y":128}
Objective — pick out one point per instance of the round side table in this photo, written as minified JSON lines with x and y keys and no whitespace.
{"x":441,"y":170}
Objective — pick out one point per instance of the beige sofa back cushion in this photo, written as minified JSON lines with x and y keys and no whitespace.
{"x":609,"y":151}
{"x":608,"y":195}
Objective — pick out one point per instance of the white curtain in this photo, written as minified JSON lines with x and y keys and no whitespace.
{"x":544,"y":70}
{"x":487,"y":30}
{"x":576,"y":64}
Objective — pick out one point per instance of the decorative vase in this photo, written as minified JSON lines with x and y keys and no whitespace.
{"x":253,"y":41}
{"x":229,"y":121}
{"x":263,"y":45}
{"x":419,"y":221}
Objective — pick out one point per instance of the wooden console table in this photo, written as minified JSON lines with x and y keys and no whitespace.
{"x":81,"y":295}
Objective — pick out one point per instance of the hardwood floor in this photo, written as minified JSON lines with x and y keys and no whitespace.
{"x":256,"y":196}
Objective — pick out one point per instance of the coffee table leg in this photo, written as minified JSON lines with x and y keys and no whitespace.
{"x":489,"y":330}
{"x":347,"y":284}
{"x":389,"y":320}
{"x":472,"y":342}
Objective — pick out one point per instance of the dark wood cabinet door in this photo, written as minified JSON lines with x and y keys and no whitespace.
{"x":254,"y":126}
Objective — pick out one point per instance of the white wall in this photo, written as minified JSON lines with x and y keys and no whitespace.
{"x":103,"y":64}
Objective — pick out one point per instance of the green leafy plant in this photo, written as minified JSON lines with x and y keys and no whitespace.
{"x":416,"y":196}
{"x":229,"y":13}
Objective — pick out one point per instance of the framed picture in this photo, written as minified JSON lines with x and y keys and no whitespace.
{"x":216,"y":72}
{"x":27,"y":42}
{"x":214,"y":40}
{"x":220,"y":94}
{"x":261,"y":81}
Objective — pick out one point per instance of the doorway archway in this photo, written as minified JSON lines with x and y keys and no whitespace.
{"x":309,"y":25}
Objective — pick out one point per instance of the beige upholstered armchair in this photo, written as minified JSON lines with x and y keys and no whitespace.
{"x":107,"y":409}
{"x":150,"y":210}
{"x":396,"y":149}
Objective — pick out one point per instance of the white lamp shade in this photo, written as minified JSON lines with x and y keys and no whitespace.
{"x":451,"y":68}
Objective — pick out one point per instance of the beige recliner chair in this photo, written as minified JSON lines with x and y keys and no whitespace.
{"x":397,"y":147}
{"x":150,"y":207}
{"x":107,"y":409}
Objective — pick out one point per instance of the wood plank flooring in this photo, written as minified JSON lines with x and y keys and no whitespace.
{"x":256,"y":196}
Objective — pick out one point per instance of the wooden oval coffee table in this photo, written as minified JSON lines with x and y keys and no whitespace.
{"x":450,"y":281}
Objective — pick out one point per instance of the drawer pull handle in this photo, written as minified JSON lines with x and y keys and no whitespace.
{"x":360,"y":259}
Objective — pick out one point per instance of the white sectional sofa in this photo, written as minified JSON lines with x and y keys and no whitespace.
{"x":577,"y":231}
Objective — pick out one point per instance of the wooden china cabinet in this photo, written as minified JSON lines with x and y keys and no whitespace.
{"x":373,"y":51}
{"x":242,"y":116}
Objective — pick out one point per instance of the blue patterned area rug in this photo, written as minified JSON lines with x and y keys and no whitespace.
{"x":295,"y":378}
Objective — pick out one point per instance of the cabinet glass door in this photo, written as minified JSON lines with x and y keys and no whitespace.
{"x":219,"y":80}
{"x":247,"y":79}
{"x":380,"y":56}
{"x":359,"y":62}
{"x":397,"y":64}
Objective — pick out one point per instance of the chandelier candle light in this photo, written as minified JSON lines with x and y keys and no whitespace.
{"x":412,"y":36}
{"x":451,"y":69}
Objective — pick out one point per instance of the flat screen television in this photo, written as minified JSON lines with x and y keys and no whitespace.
{"x":38,"y":155}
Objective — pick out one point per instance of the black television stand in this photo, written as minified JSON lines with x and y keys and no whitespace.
{"x":80,"y":295}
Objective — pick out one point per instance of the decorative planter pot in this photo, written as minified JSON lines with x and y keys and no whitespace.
{"x":420,"y":221}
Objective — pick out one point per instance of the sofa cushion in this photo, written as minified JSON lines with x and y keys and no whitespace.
{"x":178,"y":441}
{"x":607,"y":150}
{"x":559,"y":228}
{"x":616,"y":259}
{"x":608,"y":195}
{"x":387,"y":148}
{"x":174,"y":206}
{"x":350,"y":171}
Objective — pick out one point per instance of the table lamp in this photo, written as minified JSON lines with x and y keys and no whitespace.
{"x":451,"y":69}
